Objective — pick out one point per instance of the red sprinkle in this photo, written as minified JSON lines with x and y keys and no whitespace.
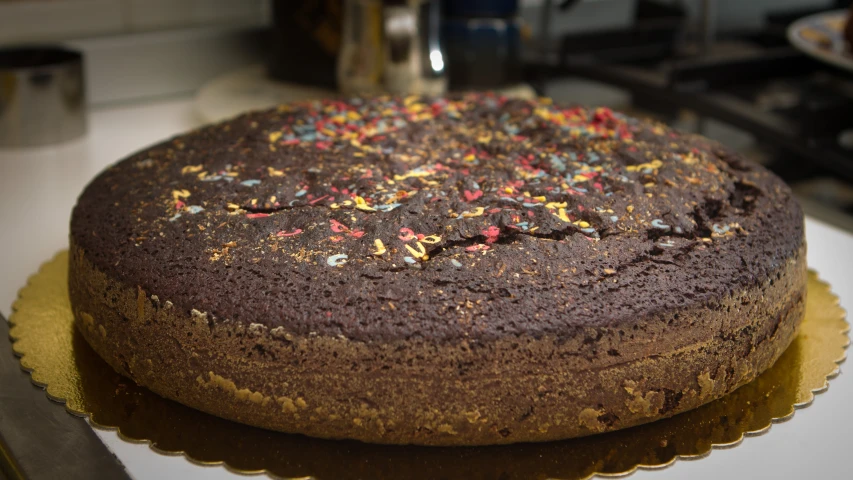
{"x":289,"y":234}
{"x":469,"y":196}
{"x":491,"y":234}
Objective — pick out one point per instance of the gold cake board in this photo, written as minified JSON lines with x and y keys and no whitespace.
{"x":60,"y":360}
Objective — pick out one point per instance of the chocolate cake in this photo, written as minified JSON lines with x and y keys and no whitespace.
{"x":462,"y":271}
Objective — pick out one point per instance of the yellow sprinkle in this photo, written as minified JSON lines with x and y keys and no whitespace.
{"x":431,"y":239}
{"x":275,"y":172}
{"x":191,"y":169}
{"x":202,"y":175}
{"x":540,"y":198}
{"x":469,"y":158}
{"x":254,"y":201}
{"x":654,"y":165}
{"x":380,"y":247}
{"x":534,"y":229}
{"x":420,"y":252}
{"x":583,"y":224}
{"x":526,"y":194}
{"x":561,"y":214}
{"x":273,"y":199}
{"x":334,"y":206}
{"x":362,"y":205}
{"x":476,"y":213}
{"x":649,"y":185}
{"x":579,"y":178}
{"x":353,"y":115}
{"x":553,"y":205}
{"x":630,"y":208}
{"x":233,"y":206}
{"x":485,"y":138}
{"x":176,"y":194}
{"x":274,"y":136}
{"x":410,"y":175}
{"x":508,"y":190}
{"x":346,"y":203}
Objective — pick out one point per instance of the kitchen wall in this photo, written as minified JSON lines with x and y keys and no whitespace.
{"x":49,"y":20}
{"x":137,"y":49}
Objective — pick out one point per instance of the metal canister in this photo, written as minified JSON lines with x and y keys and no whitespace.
{"x":391,"y":46}
{"x":42,"y":96}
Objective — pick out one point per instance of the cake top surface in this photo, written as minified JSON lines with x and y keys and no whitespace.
{"x":462,"y":217}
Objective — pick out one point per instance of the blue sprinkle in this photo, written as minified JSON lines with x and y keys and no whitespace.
{"x":588,"y":230}
{"x":228,"y":179}
{"x":212,"y":178}
{"x":558,"y":163}
{"x":250,"y":183}
{"x":387,"y":208}
{"x":301,"y":193}
{"x":456,"y":263}
{"x":658,"y":223}
{"x":530,"y":205}
{"x":720,"y":230}
{"x":336,"y":260}
{"x":614,"y":218}
{"x":195,"y":209}
{"x":667,"y":244}
{"x":304,"y":128}
{"x":410,"y":260}
{"x":175,"y":217}
{"x":678,"y":230}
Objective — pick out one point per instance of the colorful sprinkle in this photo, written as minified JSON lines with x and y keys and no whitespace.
{"x":336,"y":260}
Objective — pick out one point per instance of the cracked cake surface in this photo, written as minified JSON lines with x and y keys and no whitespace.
{"x":452,"y":221}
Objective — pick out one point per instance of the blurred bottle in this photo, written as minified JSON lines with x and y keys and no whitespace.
{"x":391,"y":46}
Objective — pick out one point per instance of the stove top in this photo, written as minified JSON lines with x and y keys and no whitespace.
{"x":797,"y":109}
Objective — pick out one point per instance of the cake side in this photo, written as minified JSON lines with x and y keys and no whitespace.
{"x":518,"y":389}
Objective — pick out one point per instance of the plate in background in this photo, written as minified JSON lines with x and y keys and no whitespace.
{"x":821,"y":36}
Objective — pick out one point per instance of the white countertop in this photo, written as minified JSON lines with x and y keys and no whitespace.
{"x":38,"y":188}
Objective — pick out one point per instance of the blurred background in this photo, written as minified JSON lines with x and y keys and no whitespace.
{"x":771,"y":78}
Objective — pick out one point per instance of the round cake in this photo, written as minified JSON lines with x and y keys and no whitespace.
{"x":468,"y":270}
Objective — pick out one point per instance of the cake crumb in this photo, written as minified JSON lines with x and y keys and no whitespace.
{"x":589,"y":418}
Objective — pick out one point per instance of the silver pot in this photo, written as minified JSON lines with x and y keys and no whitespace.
{"x":42,"y":96}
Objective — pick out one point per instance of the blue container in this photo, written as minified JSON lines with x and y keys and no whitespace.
{"x":482,"y":52}
{"x":480,"y":8}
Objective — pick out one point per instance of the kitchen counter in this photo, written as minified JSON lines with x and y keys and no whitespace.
{"x":38,"y":188}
